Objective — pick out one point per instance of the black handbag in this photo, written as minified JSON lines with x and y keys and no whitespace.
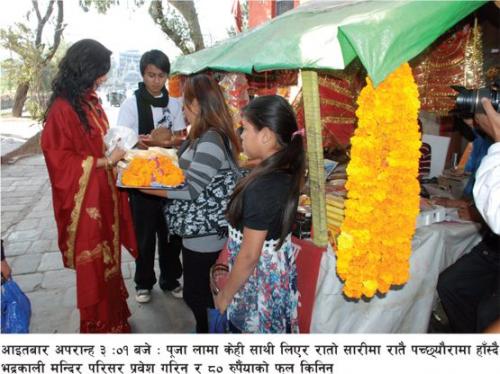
{"x":206,"y":214}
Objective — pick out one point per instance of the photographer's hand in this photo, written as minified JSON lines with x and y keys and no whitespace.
{"x":489,"y":122}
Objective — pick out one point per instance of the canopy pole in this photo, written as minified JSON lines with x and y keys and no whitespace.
{"x":312,"y":116}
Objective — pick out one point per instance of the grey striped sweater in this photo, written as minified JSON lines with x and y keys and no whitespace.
{"x":200,"y":165}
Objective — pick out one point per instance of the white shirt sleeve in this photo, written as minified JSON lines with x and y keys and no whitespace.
{"x":128,"y":115}
{"x":487,"y":188}
{"x":175,"y":106}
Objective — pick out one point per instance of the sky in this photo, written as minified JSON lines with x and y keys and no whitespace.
{"x":124,"y":27}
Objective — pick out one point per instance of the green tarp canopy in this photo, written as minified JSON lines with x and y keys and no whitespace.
{"x":330,"y":34}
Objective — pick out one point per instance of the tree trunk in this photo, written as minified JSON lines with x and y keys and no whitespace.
{"x":29,"y":148}
{"x":20,"y":99}
{"x":188,"y":11}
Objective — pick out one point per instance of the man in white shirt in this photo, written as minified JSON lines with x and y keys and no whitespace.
{"x":470,"y":288}
{"x":169,"y":117}
{"x":149,"y":110}
{"x":487,"y":186}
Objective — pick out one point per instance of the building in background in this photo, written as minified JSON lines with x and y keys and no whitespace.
{"x":263,"y":10}
{"x":128,"y":69}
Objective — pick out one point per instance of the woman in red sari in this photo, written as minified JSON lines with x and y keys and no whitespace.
{"x":92,"y":215}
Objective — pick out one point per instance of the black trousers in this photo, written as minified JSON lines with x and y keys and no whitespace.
{"x":469,"y":289}
{"x":151,"y":228}
{"x":197,"y":294}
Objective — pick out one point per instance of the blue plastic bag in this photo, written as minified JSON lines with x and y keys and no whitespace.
{"x":16,"y":309}
{"x":217,"y":322}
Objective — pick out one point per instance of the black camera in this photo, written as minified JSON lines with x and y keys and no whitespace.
{"x":468,"y":102}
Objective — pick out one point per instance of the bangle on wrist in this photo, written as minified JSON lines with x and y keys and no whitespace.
{"x":109,"y":163}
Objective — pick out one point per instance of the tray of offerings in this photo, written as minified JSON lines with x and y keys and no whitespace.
{"x":155,"y":168}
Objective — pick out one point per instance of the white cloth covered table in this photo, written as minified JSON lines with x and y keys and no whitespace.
{"x":404,"y":310}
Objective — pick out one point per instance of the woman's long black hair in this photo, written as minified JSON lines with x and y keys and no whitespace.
{"x":84,"y":62}
{"x":277,"y":114}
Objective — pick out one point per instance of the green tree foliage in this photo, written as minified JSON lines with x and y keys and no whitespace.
{"x":102,"y":6}
{"x":176,"y":18}
{"x":33,"y":54}
{"x":18,"y":39}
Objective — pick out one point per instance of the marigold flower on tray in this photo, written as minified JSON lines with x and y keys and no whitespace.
{"x":374,"y":246}
{"x":159,"y":170}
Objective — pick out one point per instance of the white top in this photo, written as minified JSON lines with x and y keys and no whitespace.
{"x":487,"y":188}
{"x":170,"y":117}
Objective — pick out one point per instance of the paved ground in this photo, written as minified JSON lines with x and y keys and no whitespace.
{"x":29,"y":232}
{"x":15,"y":131}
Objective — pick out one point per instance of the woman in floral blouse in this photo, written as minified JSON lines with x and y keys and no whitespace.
{"x":261,"y":293}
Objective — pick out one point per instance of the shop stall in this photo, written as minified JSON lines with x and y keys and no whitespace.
{"x":382,"y":200}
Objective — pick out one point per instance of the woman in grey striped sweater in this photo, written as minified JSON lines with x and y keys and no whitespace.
{"x":203,"y":158}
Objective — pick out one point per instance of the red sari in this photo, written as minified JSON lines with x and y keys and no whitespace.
{"x":93,"y":216}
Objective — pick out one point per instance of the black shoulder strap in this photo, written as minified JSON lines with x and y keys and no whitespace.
{"x":183,"y":147}
{"x":226,"y":148}
{"x":229,"y":155}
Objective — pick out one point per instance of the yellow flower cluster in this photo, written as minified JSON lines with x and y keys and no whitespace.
{"x":142,"y":172}
{"x":374,"y":246}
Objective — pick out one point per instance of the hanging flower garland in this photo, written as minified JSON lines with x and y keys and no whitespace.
{"x":374,"y":246}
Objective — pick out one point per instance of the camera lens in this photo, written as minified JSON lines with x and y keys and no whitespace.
{"x":468,"y":102}
{"x":465,"y":102}
{"x":495,"y":100}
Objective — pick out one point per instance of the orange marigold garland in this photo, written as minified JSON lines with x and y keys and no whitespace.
{"x":374,"y":246}
{"x":143,"y":172}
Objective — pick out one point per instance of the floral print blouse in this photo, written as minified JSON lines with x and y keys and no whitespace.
{"x":268,"y":301}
